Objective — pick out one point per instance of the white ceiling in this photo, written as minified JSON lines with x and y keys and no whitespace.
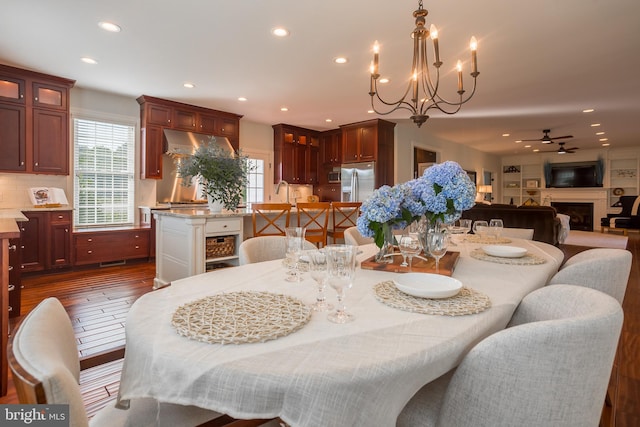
{"x":541,"y":62}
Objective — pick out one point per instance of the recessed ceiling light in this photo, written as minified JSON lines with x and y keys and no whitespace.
{"x":370,"y":111}
{"x":88,"y":60}
{"x":595,"y":125}
{"x":242,"y":99}
{"x":506,"y":134}
{"x":603,"y":139}
{"x":527,"y":146}
{"x":384,"y":80}
{"x":588,"y":110}
{"x":535,"y":150}
{"x":328,"y":120}
{"x":280,"y":32}
{"x":109,"y":26}
{"x":518,"y":141}
{"x":606,"y":144}
{"x":599,"y":133}
{"x":284,"y":109}
{"x":340,"y":60}
{"x":189,"y":85}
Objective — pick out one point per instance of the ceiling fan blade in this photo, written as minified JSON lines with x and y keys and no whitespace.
{"x":562,"y":137}
{"x":531,"y":140}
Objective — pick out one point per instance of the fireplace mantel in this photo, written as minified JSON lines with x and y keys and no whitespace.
{"x":597,"y":196}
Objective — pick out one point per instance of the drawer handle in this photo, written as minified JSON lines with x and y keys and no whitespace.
{"x":9,"y":308}
{"x":12,"y":247}
{"x":224,"y":226}
{"x":60,"y":216}
{"x":89,"y":240}
{"x":137,"y":247}
{"x":89,"y":252}
{"x":10,"y":267}
{"x":137,"y":236}
{"x":11,"y":287}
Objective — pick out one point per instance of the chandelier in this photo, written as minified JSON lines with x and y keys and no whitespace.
{"x":422,"y":91}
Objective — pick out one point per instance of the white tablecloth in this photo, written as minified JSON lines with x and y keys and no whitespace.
{"x":356,"y":374}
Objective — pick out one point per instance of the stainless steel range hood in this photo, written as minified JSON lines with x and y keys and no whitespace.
{"x":170,"y":188}
{"x":179,"y":142}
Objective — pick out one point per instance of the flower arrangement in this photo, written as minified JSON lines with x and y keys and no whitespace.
{"x":440,"y":194}
{"x":222,"y":173}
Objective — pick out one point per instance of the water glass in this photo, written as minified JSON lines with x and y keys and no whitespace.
{"x":318,"y":271}
{"x":465,"y":224}
{"x":295,"y":243}
{"x":480,"y":228}
{"x":409,"y":246}
{"x":341,"y":269}
{"x":495,"y":227}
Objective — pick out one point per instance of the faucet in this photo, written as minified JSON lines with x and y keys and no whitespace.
{"x":282,"y":181}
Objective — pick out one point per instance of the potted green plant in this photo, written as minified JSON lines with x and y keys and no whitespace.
{"x":221,"y":173}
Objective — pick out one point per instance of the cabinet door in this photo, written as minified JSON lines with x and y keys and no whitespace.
{"x":32,"y":241}
{"x":12,"y":137}
{"x":313,"y":159}
{"x":15,"y":281}
{"x":158,"y":114}
{"x":367,"y":144}
{"x":60,"y":253}
{"x":350,"y":145}
{"x":184,"y":119}
{"x":50,"y":142}
{"x":152,"y":148}
{"x":12,"y":90}
{"x":49,"y":96}
{"x":206,"y":123}
{"x":228,"y":127}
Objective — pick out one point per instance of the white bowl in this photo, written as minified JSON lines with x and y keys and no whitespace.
{"x":504,"y":251}
{"x":427,"y":285}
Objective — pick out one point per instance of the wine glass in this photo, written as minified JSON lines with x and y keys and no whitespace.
{"x":465,"y":224}
{"x":437,"y":245}
{"x":409,"y":246}
{"x":295,"y":240}
{"x":496,"y":226}
{"x":480,"y":228}
{"x":341,"y":269}
{"x":318,"y":270}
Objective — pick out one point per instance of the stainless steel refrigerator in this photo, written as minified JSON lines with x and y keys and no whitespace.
{"x":357,"y":181}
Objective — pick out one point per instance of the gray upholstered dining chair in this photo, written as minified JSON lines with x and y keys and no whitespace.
{"x":353,"y":237}
{"x":265,"y":248}
{"x":43,"y":357}
{"x":550,"y":367}
{"x":604,"y":269}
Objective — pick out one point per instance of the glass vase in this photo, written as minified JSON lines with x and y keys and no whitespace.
{"x":384,"y":254}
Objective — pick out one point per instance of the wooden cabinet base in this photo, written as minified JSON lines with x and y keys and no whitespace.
{"x":108,"y":246}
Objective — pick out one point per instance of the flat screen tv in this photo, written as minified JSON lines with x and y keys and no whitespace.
{"x":573,"y":175}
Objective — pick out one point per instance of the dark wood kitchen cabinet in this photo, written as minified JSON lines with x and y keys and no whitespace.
{"x":331,"y":148}
{"x":45,"y":240}
{"x":158,"y":114}
{"x":93,"y":247}
{"x":34,"y":122}
{"x":296,"y":153}
{"x":371,"y":141}
{"x":15,"y":278}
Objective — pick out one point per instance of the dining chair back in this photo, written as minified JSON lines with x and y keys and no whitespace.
{"x":268,"y":218}
{"x":315,"y":218}
{"x":265,"y":248}
{"x":43,"y":358}
{"x":353,"y":237}
{"x":604,"y":269}
{"x":550,"y":367}
{"x":517,"y":233}
{"x":343,"y":215}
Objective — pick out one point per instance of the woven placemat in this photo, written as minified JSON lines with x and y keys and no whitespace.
{"x":468,"y":301}
{"x":240,"y":317}
{"x":474,"y":238}
{"x":528,"y":259}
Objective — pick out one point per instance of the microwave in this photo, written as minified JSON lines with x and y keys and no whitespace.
{"x":334,"y":176}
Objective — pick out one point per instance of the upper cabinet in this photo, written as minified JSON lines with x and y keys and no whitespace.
{"x":331,"y":147}
{"x":34,"y":122}
{"x":296,"y":154}
{"x":158,"y":114}
{"x":371,"y":141}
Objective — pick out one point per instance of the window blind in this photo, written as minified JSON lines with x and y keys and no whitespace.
{"x":104,"y":173}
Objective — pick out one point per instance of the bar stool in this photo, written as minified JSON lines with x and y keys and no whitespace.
{"x":344,"y":215}
{"x":315,"y":218}
{"x":265,"y":216}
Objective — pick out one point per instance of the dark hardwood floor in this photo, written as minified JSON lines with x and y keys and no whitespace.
{"x":98,"y":299}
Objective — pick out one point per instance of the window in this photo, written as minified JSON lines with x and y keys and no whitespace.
{"x":104,"y":170}
{"x":255,"y":186}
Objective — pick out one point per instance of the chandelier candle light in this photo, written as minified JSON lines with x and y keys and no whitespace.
{"x":424,"y":89}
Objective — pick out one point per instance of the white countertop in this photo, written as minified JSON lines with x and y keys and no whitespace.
{"x":15,"y":214}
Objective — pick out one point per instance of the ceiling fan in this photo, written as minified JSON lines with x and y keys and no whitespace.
{"x":562,"y":150}
{"x":546,"y":139}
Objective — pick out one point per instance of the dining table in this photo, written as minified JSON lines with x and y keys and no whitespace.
{"x":322,"y":374}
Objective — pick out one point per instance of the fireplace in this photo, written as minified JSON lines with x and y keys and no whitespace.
{"x":580,"y":214}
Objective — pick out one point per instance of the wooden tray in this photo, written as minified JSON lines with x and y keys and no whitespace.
{"x":447,"y":264}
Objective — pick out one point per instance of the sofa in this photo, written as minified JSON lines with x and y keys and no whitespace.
{"x":542,"y":219}
{"x":627,"y":219}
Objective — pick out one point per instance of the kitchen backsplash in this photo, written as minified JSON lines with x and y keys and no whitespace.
{"x":13,"y":188}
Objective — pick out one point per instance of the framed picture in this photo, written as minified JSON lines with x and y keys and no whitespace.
{"x":472,"y":176}
{"x":423,"y":166}
{"x":532,"y":183}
